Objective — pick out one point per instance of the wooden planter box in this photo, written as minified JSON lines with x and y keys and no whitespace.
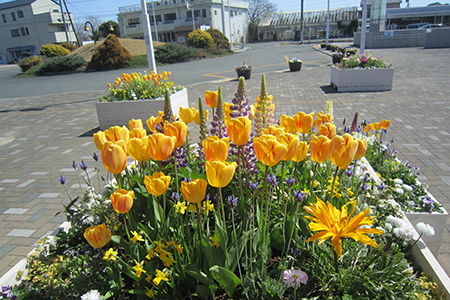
{"x":118,"y":113}
{"x":362,"y":80}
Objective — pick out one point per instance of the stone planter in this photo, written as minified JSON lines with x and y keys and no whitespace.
{"x":118,"y":113}
{"x":295,"y":66}
{"x":362,"y":80}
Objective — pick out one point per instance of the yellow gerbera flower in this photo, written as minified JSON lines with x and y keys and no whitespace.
{"x":337,"y":224}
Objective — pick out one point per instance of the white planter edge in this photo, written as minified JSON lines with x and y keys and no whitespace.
{"x":362,"y":80}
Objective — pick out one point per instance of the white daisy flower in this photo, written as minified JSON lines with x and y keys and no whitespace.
{"x":91,"y":295}
{"x":425,"y":229}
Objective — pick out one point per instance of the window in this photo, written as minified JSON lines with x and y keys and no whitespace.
{"x":157,"y":17}
{"x":15,"y":32}
{"x":22,"y":30}
{"x":13,"y":15}
{"x":20,"y":13}
{"x":4,"y":18}
{"x":204,"y":13}
{"x":215,"y":12}
{"x":170,"y":17}
{"x":134,"y":21}
{"x":189,"y":14}
{"x":60,"y":28}
{"x":26,"y":29}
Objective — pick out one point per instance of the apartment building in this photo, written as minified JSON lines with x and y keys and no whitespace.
{"x":26,"y":25}
{"x":174,"y":20}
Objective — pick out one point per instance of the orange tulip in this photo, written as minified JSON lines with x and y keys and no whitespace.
{"x":273,"y":130}
{"x":122,"y":200}
{"x":301,"y":152}
{"x":178,"y":130}
{"x":197,"y":116}
{"x":288,"y":124}
{"x":114,"y":156}
{"x":252,"y":112}
{"x":157,"y":184}
{"x":215,"y":148}
{"x":227,"y":109}
{"x":320,"y":148}
{"x":137,"y":133}
{"x":323,"y":118}
{"x":161,"y":146}
{"x":268,"y":150}
{"x":194,"y":191}
{"x":139,"y":149}
{"x":291,"y":141}
{"x":152,"y":122}
{"x":218,"y":173}
{"x":367,"y":128}
{"x":328,"y":130}
{"x":211,"y":98}
{"x":362,"y":148}
{"x":135,"y":124}
{"x":116,"y":133}
{"x":187,"y":114}
{"x":304,"y":122}
{"x":99,"y":140}
{"x":98,"y":236}
{"x":342,"y":150}
{"x":385,"y":124}
{"x":239,"y":130}
{"x":375,"y":126}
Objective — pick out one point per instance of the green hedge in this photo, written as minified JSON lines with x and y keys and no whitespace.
{"x":52,"y":50}
{"x":173,"y":53}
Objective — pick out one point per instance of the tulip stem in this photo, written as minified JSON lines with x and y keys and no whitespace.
{"x":334,"y":181}
{"x":126,"y":227}
{"x":241,"y":196}
{"x":199,"y":217}
{"x":219,"y":190}
{"x":266,"y":197}
{"x":176,"y":175}
{"x":293,"y":226}
{"x":118,"y":181}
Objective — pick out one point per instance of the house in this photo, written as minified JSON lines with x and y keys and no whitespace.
{"x":173,"y":19}
{"x":26,"y":25}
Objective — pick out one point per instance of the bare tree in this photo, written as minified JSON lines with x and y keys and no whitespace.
{"x":258,"y":8}
{"x":81,"y":33}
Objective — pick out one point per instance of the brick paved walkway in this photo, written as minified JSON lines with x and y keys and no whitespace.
{"x":41,"y":137}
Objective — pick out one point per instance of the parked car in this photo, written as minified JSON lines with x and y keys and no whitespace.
{"x":432,"y":26}
{"x":416,"y":25}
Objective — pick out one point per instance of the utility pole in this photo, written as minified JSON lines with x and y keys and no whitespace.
{"x":301,"y":25}
{"x":148,"y":37}
{"x":363,"y":28}
{"x":71,"y":22}
{"x":64,"y":20}
{"x":229,"y":18}
{"x":154,"y":20}
{"x":223,"y":19}
{"x":328,"y":22}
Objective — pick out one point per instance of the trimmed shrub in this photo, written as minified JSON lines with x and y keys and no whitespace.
{"x":110,"y":55}
{"x":61,"y":64}
{"x":28,"y":62}
{"x":172,"y":53}
{"x":200,"y":39}
{"x":52,"y":50}
{"x":220,"y":39}
{"x":138,"y":61}
{"x":69,"y":46}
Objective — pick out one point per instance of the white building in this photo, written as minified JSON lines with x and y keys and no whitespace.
{"x":174,"y":22}
{"x":26,"y":25}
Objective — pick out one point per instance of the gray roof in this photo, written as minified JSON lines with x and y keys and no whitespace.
{"x":410,"y":12}
{"x":369,"y":2}
{"x":16,"y":3}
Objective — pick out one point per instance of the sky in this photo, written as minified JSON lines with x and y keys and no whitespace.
{"x":108,"y":9}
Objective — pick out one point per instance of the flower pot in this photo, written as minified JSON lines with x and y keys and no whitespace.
{"x":328,"y":46}
{"x":118,"y":113}
{"x":362,"y":80}
{"x":244,"y":73}
{"x":295,"y":66}
{"x":336,"y":59}
{"x":323,"y":45}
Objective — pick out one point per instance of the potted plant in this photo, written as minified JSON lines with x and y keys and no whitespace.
{"x":336,"y":58}
{"x":328,"y":46}
{"x":362,"y":73}
{"x":244,"y":70}
{"x":323,"y":45}
{"x":295,"y":64}
{"x":138,"y":96}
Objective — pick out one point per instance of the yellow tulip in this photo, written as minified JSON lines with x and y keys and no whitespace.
{"x":211,"y":98}
{"x":161,"y":146}
{"x":215,"y":148}
{"x":291,"y":141}
{"x":268,"y":150}
{"x":227,"y":109}
{"x":252,"y":111}
{"x":137,"y":133}
{"x":135,"y":124}
{"x":187,"y":114}
{"x":139,"y":148}
{"x":114,"y":156}
{"x":362,"y":148}
{"x":304,"y":122}
{"x":320,"y":148}
{"x":273,"y":130}
{"x":99,"y":140}
{"x":301,"y":152}
{"x":152,"y":122}
{"x":194,"y":191}
{"x":117,"y":133}
{"x":239,"y":130}
{"x":197,"y":116}
{"x":122,"y":200}
{"x":98,"y":236}
{"x":375,"y":126}
{"x":385,"y":124}
{"x":342,"y":150}
{"x":157,"y":184}
{"x":367,"y":128}
{"x":323,"y":118}
{"x":178,"y":130}
{"x":328,"y":130}
{"x":288,"y":124}
{"x":218,"y":173}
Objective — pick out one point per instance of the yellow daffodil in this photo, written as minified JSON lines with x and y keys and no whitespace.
{"x":180,"y":207}
{"x":139,"y":269}
{"x":159,"y":276}
{"x":110,"y":255}
{"x":136,"y":237}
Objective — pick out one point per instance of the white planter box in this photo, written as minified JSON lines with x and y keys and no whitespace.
{"x":362,"y":80}
{"x":118,"y":113}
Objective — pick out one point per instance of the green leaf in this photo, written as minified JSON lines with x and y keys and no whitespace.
{"x":227,"y":279}
{"x":192,"y":269}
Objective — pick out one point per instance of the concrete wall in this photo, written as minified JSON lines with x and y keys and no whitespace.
{"x":398,"y":39}
{"x":437,"y":38}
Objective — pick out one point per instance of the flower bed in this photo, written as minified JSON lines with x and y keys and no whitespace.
{"x":254,"y":211}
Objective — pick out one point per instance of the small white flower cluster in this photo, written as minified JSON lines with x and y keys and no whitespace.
{"x":425,"y":229}
{"x":400,"y":187}
{"x":294,"y":277}
{"x":91,"y":295}
{"x":401,"y":228}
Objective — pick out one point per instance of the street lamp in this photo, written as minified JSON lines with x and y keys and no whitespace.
{"x":108,"y":29}
{"x":86,"y":28}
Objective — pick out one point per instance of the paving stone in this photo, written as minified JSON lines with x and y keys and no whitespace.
{"x":21,"y":232}
{"x":15,"y":211}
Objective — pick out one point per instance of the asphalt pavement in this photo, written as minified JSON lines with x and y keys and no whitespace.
{"x":40,"y":135}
